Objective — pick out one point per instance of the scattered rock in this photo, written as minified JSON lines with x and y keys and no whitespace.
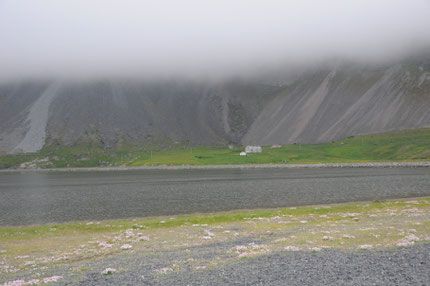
{"x":109,"y":271}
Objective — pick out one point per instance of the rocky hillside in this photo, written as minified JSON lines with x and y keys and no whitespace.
{"x":319,"y":106}
{"x":337,"y":103}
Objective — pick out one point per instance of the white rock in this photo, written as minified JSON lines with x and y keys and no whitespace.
{"x":108,"y":271}
{"x":126,"y":246}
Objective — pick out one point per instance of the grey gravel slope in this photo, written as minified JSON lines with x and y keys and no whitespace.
{"x":331,"y":105}
{"x":37,"y":120}
{"x":16,"y":100}
{"x":319,"y":106}
{"x":113,"y":112}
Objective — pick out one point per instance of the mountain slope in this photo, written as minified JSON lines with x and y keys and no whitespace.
{"x":110,"y":113}
{"x":318,"y":106}
{"x":331,"y":105}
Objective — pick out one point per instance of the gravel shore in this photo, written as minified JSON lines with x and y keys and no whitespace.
{"x":251,"y":166}
{"x":402,"y":266}
{"x":373,"y":243}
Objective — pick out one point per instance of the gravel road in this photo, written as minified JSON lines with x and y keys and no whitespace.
{"x":401,"y":266}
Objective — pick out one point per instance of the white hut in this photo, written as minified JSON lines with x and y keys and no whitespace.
{"x":242,"y":154}
{"x":253,"y":149}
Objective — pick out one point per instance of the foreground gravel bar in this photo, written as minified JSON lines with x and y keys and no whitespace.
{"x":404,"y":266}
{"x":367,"y":243}
{"x":251,"y":166}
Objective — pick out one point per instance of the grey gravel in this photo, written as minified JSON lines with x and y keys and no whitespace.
{"x":38,"y":198}
{"x":402,"y":266}
{"x":37,"y":119}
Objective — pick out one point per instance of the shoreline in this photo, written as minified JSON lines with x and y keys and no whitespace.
{"x":213,"y":167}
{"x":163,"y":247}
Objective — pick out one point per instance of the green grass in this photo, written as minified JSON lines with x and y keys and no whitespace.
{"x":43,"y":238}
{"x":46,"y":230}
{"x":406,"y":145}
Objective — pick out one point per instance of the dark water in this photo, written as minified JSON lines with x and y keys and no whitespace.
{"x":33,"y":198}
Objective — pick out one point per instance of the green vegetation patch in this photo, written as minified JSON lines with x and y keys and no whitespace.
{"x":406,"y":145}
{"x":101,"y":227}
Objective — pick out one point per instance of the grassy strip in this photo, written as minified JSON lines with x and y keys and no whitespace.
{"x":351,"y":226}
{"x":103,"y":227}
{"x":407,"y":145}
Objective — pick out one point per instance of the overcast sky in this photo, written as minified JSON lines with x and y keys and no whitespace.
{"x":193,"y":37}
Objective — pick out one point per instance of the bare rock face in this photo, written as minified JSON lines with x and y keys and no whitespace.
{"x":16,"y":101}
{"x":37,"y":120}
{"x":318,"y":106}
{"x":331,"y":105}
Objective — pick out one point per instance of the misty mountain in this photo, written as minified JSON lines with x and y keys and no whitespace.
{"x":320,"y":105}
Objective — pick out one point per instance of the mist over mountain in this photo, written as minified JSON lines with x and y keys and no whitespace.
{"x":319,"y":105}
{"x":117,"y":73}
{"x":212,"y":39}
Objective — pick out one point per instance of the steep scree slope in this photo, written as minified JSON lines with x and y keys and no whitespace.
{"x":319,"y":106}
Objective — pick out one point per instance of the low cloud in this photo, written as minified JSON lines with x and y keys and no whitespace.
{"x":44,"y":38}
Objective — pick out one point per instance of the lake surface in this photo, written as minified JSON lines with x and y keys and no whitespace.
{"x":47,"y":197}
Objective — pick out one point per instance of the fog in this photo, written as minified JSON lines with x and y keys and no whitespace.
{"x":85,"y":38}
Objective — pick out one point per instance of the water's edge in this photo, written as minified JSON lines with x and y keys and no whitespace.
{"x":45,"y":197}
{"x":250,"y":166}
